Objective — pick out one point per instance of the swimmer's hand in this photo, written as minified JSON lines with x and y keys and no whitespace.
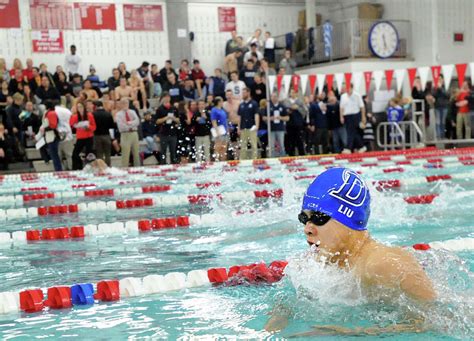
{"x":412,"y":327}
{"x":278,"y":320}
{"x":276,"y":323}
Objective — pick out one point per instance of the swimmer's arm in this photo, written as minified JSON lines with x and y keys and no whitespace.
{"x":278,"y":319}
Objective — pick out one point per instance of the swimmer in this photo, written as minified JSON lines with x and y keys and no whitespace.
{"x":335,"y":212}
{"x":93,"y":164}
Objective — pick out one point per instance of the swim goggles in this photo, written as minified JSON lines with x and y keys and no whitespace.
{"x":315,"y":217}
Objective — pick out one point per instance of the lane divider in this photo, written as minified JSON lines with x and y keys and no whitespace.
{"x":63,"y":297}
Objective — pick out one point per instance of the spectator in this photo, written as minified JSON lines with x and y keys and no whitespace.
{"x":184,"y":71}
{"x":258,"y":90}
{"x":201,"y":121}
{"x":30,"y":124}
{"x":269,"y":51}
{"x":85,"y":126}
{"x":138,"y":89}
{"x":173,"y":88}
{"x":144,"y":73}
{"x":13,"y":114}
{"x":66,"y":144}
{"x":369,"y":133}
{"x":35,"y":82}
{"x":463,"y":118}
{"x":188,"y":91}
{"x":232,"y":44}
{"x":318,"y":124}
{"x":231,"y":62}
{"x":149,"y":135}
{"x":197,"y":74}
{"x":295,"y":125}
{"x":89,"y":91}
{"x":262,"y":132}
{"x":236,"y":86}
{"x":217,"y":84}
{"x":167,"y":120}
{"x":247,"y":75}
{"x":123,"y":70}
{"x":265,"y":70}
{"x":45,"y":73}
{"x":17,"y":66}
{"x":46,"y":91}
{"x":156,"y":78}
{"x":76,"y":85}
{"x":353,"y":116}
{"x":16,"y":82}
{"x":4,"y":73}
{"x":164,"y":72}
{"x":452,"y":113}
{"x":59,"y":69}
{"x":102,"y":139}
{"x":28,"y":71}
{"x":49,"y":131}
{"x":256,"y":39}
{"x":124,"y":91}
{"x":253,"y":50}
{"x":127,"y":123}
{"x":278,"y":118}
{"x":441,"y":108}
{"x":5,"y":152}
{"x":186,"y":140}
{"x":72,"y":62}
{"x":231,"y":106}
{"x":249,"y":124}
{"x":219,"y":129}
{"x":395,"y":114}
{"x":113,"y":82}
{"x":288,"y":63}
{"x":95,"y":80}
{"x":64,"y":88}
{"x":335,"y":125}
{"x":4,"y":93}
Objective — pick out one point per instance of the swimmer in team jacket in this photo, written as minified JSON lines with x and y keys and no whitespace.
{"x":335,"y":212}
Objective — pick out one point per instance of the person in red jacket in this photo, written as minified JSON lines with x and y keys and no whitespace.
{"x":84,"y":124}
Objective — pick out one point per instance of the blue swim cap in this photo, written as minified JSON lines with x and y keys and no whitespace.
{"x":341,"y":194}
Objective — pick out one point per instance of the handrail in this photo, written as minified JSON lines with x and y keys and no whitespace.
{"x":397,"y":134}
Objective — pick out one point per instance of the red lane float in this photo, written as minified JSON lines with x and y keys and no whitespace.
{"x":99,"y":193}
{"x":434,"y":178}
{"x":37,"y":196}
{"x":393,"y":170}
{"x":208,"y":184}
{"x":253,"y":274}
{"x":276,"y":193}
{"x":386,"y":184}
{"x":155,"y":189}
{"x":421,"y":199}
{"x":57,"y":209}
{"x":422,"y":247}
{"x":203,"y":199}
{"x":260,"y":181}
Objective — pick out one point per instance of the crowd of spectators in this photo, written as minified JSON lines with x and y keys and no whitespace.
{"x":183,"y":115}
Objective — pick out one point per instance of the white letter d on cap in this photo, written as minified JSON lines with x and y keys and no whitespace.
{"x":353,"y":190}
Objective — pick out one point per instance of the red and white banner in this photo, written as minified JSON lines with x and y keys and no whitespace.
{"x":339,"y":81}
{"x":368,"y":79}
{"x":399,"y":76}
{"x":411,"y":76}
{"x":435,"y":73}
{"x":227,"y":19}
{"x":312,"y":83}
{"x":304,"y":83}
{"x":330,"y":82}
{"x":9,"y":14}
{"x":49,"y":14}
{"x":348,"y":79}
{"x":388,"y":78}
{"x":143,"y":17}
{"x":320,"y":78}
{"x":47,"y":41}
{"x":423,"y":72}
{"x":461,"y":70}
{"x":447,"y":74}
{"x":296,"y":83}
{"x":378,"y":75}
{"x":95,"y":16}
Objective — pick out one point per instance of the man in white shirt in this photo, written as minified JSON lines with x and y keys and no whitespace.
{"x":352,"y":111}
{"x":253,"y":49}
{"x":72,"y":62}
{"x":127,"y":124}
{"x":236,"y":86}
{"x":66,"y":143}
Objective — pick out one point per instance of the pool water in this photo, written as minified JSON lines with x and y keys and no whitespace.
{"x":267,"y":230}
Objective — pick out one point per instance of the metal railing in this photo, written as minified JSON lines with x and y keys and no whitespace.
{"x":401,"y":135}
{"x":350,"y":39}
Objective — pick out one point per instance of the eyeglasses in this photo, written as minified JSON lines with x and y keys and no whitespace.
{"x":315,"y":217}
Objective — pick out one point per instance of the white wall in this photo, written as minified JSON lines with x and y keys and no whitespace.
{"x":102,"y":49}
{"x":209,"y":44}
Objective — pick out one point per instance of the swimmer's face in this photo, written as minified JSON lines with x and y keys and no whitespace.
{"x":329,"y":238}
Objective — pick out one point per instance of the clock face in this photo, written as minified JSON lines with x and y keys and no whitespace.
{"x":383,"y":39}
